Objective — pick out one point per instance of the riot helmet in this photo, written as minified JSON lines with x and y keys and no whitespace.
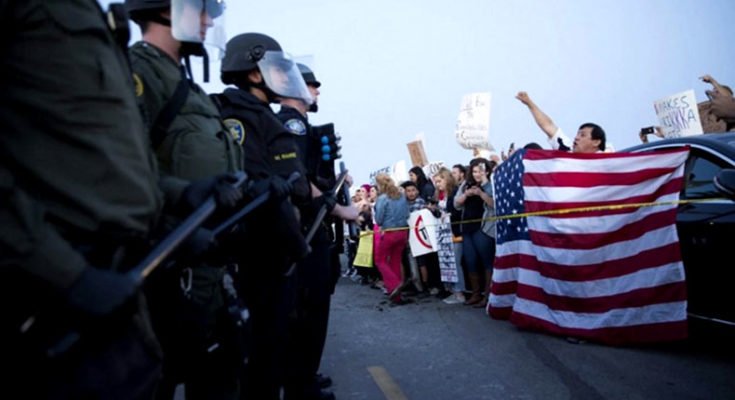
{"x":308,"y":75}
{"x":191,"y":19}
{"x":310,"y":81}
{"x":249,"y":51}
{"x":194,"y":23}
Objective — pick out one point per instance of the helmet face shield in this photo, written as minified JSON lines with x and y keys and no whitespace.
{"x":283,"y":77}
{"x":199,"y":21}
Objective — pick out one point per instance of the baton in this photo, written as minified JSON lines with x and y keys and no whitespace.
{"x":255,"y":203}
{"x":174,"y":239}
{"x":319,"y":217}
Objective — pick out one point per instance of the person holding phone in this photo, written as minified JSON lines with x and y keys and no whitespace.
{"x":650,"y":130}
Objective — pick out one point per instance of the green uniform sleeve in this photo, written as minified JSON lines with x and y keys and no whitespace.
{"x":30,"y":242}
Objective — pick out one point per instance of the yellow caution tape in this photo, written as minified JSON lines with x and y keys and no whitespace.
{"x":569,"y":211}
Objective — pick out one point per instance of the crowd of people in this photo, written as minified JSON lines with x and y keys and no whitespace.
{"x":463,"y":205}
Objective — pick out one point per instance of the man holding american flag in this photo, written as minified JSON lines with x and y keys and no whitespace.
{"x":578,"y":255}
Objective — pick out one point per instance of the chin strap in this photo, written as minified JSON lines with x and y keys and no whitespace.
{"x":195,"y":49}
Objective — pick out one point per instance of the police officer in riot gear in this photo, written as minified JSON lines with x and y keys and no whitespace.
{"x":261,"y":72}
{"x":78,"y":198}
{"x":318,"y":272}
{"x":189,"y":302}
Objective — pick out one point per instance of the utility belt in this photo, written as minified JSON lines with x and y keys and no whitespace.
{"x":197,"y":313}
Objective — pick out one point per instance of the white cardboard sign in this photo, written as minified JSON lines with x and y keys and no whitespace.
{"x":422,"y":232}
{"x":473,"y":123}
{"x":678,"y":115}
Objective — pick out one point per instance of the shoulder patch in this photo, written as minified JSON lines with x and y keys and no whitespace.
{"x":296,"y":126}
{"x":236,"y":129}
{"x":138,"y":85}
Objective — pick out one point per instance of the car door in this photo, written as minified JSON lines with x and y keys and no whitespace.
{"x":707,"y":237}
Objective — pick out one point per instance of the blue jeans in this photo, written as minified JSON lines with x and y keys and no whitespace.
{"x":479,"y":251}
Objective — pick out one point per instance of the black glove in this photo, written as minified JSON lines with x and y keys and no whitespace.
{"x":280,"y":188}
{"x":220,"y":186}
{"x":326,"y":199}
{"x":98,"y":292}
{"x":226,"y":193}
{"x":201,"y":243}
{"x":256,"y":188}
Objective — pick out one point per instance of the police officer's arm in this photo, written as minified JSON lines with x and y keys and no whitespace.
{"x":30,"y":242}
{"x":345,"y":213}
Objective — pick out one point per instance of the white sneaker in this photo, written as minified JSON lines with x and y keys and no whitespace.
{"x":433,"y":291}
{"x":456,"y":298}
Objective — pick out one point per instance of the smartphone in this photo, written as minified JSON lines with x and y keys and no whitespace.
{"x":647,"y":131}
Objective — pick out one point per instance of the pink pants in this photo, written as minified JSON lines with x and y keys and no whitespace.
{"x":389,"y":248}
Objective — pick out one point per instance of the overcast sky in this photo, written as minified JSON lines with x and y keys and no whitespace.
{"x":391,"y":70}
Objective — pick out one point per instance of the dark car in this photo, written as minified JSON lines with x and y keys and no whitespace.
{"x":707,"y":229}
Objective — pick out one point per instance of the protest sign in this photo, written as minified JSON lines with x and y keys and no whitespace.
{"x":678,"y":115}
{"x":422,"y":232}
{"x":473,"y":123}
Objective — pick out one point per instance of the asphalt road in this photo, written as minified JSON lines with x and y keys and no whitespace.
{"x":429,"y":350}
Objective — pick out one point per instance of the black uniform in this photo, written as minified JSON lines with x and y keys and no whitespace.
{"x":78,"y":193}
{"x":315,"y":275}
{"x":187,"y":302}
{"x":269,"y":149}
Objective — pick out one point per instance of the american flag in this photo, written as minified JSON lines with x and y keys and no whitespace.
{"x":613,"y":276}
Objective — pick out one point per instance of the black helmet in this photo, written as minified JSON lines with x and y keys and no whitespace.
{"x":243,"y":51}
{"x":139,"y":10}
{"x":308,"y":75}
{"x":148,"y":10}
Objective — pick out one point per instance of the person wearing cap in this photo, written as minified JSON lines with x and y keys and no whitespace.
{"x":317,"y":274}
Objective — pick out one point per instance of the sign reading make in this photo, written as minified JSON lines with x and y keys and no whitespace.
{"x":678,"y":115}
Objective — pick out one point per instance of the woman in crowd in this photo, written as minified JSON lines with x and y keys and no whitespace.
{"x":391,"y":215}
{"x":426,"y":188}
{"x":478,"y":239}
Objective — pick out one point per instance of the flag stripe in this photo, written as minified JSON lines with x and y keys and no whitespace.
{"x":593,"y":179}
{"x":635,"y":298}
{"x":537,"y":160}
{"x":643,"y":279}
{"x":611,"y":221}
{"x":616,"y":251}
{"x":575,"y":236}
{"x":619,"y":317}
{"x":547,"y":198}
{"x":505,"y":271}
